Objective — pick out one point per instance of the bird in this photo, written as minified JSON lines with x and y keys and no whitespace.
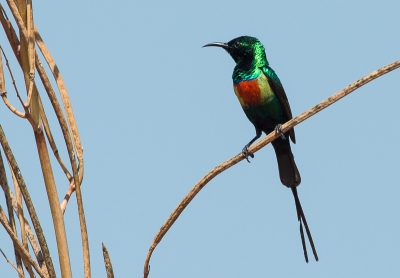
{"x":264,"y":101}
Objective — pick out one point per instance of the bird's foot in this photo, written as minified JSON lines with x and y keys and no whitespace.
{"x":246,"y":153}
{"x":278,"y":129}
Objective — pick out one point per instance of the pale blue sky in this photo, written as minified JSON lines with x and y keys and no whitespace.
{"x":156,"y":112}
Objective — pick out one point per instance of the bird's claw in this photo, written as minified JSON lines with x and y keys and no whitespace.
{"x":278,"y":129}
{"x":246,"y":153}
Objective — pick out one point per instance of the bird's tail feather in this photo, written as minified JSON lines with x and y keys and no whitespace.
{"x":302,"y":219}
{"x":290,"y":177}
{"x":288,"y":171}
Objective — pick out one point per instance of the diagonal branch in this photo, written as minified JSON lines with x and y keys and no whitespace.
{"x":262,"y":143}
{"x":21,"y":274}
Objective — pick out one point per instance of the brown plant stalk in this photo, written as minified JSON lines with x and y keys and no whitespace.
{"x":11,"y":219}
{"x":22,"y":15}
{"x":3,"y":91}
{"x":22,"y":251}
{"x":107,"y":262}
{"x":29,"y":204}
{"x":18,"y":269}
{"x":28,"y":59}
{"x":14,"y":42}
{"x":29,"y":233}
{"x":78,"y":176}
{"x":256,"y":147}
{"x":21,"y":10}
{"x":22,"y":223}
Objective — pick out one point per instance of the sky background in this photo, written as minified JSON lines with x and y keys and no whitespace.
{"x":156,"y":112}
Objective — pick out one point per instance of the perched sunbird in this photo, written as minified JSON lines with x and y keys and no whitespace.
{"x":264,"y":101}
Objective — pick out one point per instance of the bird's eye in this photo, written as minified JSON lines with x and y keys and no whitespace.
{"x":236,"y":44}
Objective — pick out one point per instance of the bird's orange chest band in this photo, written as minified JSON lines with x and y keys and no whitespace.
{"x":248,"y":92}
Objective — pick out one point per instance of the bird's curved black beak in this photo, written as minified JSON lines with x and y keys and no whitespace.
{"x":219,"y":44}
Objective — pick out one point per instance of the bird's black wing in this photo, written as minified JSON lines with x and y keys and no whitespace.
{"x":277,"y":88}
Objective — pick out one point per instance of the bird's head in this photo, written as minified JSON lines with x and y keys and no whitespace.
{"x":246,"y":51}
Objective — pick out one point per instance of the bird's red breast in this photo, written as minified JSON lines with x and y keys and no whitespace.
{"x":248,"y":92}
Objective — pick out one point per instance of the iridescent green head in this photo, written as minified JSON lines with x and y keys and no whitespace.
{"x":246,"y":51}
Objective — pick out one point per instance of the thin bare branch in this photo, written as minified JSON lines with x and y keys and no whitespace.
{"x":12,"y":108}
{"x":10,"y":33}
{"x":71,"y":189}
{"x":268,"y":139}
{"x":20,"y":273}
{"x":3,"y":91}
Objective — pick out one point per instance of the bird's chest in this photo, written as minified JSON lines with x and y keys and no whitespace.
{"x":254,"y":92}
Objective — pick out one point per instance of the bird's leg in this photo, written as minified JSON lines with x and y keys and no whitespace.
{"x":245,"y":151}
{"x":278,"y":129}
